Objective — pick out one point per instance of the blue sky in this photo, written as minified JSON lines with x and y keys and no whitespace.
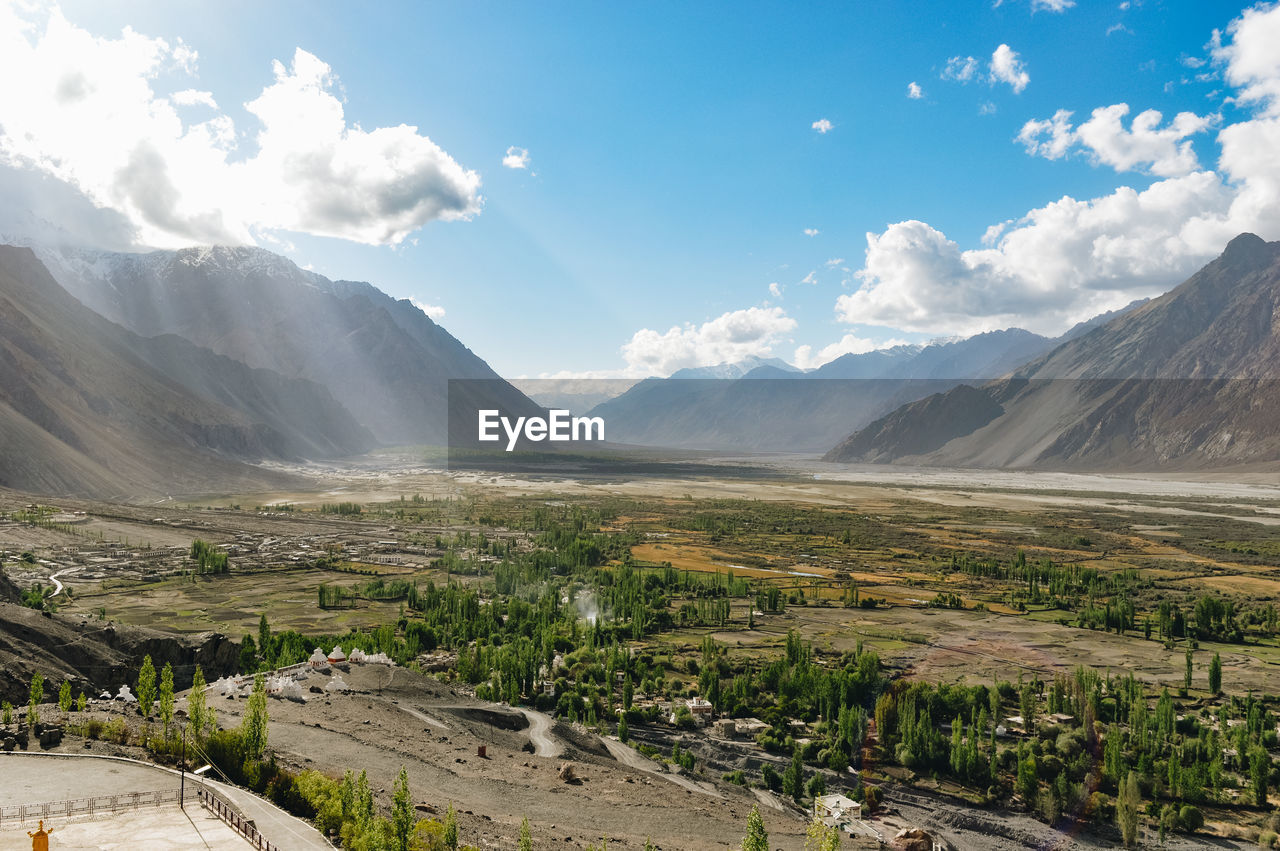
{"x":674,"y":166}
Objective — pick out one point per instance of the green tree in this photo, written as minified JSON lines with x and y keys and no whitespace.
{"x":81,"y":702}
{"x":1186,"y":675}
{"x":402,"y":812}
{"x":248,"y":655}
{"x":166,"y":697}
{"x":756,"y":839}
{"x":451,"y":828}
{"x":1128,"y":807}
{"x":793,"y":777}
{"x":199,"y":715}
{"x":623,"y":733}
{"x":64,"y":697}
{"x":6,"y":713}
{"x":819,"y":837}
{"x":1215,"y":674}
{"x":525,"y":842}
{"x":264,"y":638}
{"x":37,"y":697}
{"x":1168,"y":821}
{"x":253,"y":728}
{"x":1259,"y":770}
{"x":146,"y":685}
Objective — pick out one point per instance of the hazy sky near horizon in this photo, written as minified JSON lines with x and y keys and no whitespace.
{"x":628,"y":189}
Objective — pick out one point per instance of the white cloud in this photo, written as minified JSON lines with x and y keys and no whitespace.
{"x":1006,"y":67}
{"x":727,"y":338}
{"x":1052,"y":5}
{"x":1251,"y":59}
{"x":516,"y":158}
{"x":1071,"y":259}
{"x":914,"y":91}
{"x":834,"y":262}
{"x":962,"y":68}
{"x":1050,"y":138}
{"x":850,"y":344}
{"x":193,"y":97}
{"x":1146,"y":146}
{"x":434,"y":311}
{"x":811,"y":231}
{"x":987,"y":108}
{"x":91,"y":113}
{"x":822,"y":125}
{"x":811,"y":278}
{"x":775,"y":290}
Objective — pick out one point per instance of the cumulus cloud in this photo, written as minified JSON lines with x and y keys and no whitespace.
{"x":1050,"y":138}
{"x":1252,"y":63}
{"x":727,"y":338}
{"x":193,"y":97}
{"x":92,"y":112}
{"x":1007,"y":67}
{"x":434,"y":311}
{"x":822,"y":125}
{"x":850,"y":344}
{"x":914,"y":91}
{"x":1144,"y":146}
{"x":1072,"y":259}
{"x":516,"y":158}
{"x":962,"y":68}
{"x":811,"y":231}
{"x":775,"y":289}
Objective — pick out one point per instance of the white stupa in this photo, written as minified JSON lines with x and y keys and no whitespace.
{"x":126,"y":695}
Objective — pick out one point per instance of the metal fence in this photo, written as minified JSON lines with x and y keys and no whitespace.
{"x":235,"y":819}
{"x":31,"y":813}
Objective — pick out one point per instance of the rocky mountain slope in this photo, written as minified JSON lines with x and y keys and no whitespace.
{"x":1186,"y":381}
{"x":382,"y":358}
{"x":87,"y":407}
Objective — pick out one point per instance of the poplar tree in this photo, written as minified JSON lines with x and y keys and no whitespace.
{"x":146,"y":685}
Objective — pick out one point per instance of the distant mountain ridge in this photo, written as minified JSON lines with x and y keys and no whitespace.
{"x":771,"y":406}
{"x":1185,"y":381}
{"x":382,"y":358}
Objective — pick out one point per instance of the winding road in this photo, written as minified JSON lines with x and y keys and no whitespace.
{"x":544,"y":744}
{"x":633,"y":759}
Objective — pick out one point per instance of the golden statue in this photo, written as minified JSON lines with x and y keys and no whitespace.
{"x":40,"y":839}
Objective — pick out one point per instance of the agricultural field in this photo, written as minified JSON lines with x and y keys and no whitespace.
{"x":884,"y":639}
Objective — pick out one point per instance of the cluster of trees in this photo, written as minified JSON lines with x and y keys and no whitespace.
{"x":1152,"y":753}
{"x":208,"y":558}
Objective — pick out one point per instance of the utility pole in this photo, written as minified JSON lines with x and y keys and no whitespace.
{"x":182,"y":771}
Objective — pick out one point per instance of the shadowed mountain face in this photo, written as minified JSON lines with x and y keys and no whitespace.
{"x":1186,"y":381}
{"x":772,"y":409}
{"x":87,"y":407}
{"x":383,"y":359}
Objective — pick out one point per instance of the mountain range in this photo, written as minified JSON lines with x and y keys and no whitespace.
{"x":1185,"y":381}
{"x":767,"y":405}
{"x":381,"y":357}
{"x":177,"y":372}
